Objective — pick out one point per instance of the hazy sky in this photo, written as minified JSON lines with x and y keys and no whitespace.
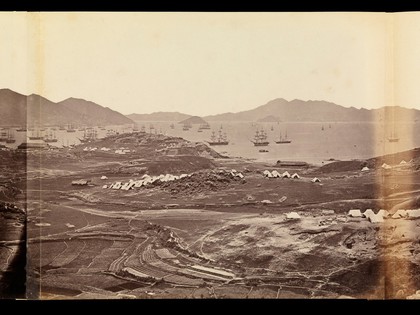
{"x":208,"y":63}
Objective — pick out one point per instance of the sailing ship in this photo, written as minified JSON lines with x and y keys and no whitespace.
{"x":172,"y":126}
{"x":260,"y":138}
{"x":70,"y":128}
{"x":151,"y":127}
{"x":283,"y":140}
{"x":221,"y":139}
{"x":204,"y":126}
{"x":3,"y":135}
{"x":90,"y":134}
{"x":36,"y":134}
{"x":186,"y":127}
{"x":61,"y":128}
{"x":21,"y":129}
{"x":10,"y":137}
{"x":143,"y":129}
{"x":393,"y":138}
{"x":135,"y":128}
{"x":50,"y":137}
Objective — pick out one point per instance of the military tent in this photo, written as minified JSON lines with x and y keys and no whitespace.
{"x":285,"y":174}
{"x":383,"y":213}
{"x":275,"y":174}
{"x":296,"y":176}
{"x":413,"y":213}
{"x":292,"y":215}
{"x":368,"y":213}
{"x":355,"y":213}
{"x":365,"y":169}
{"x":315,"y":180}
{"x":399,"y":214}
{"x":267,"y":173}
{"x":376,"y":218}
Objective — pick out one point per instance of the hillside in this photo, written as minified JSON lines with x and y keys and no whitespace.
{"x":16,"y":109}
{"x":159,"y":116}
{"x":194,"y":120}
{"x":298,"y":110}
{"x":95,"y":114}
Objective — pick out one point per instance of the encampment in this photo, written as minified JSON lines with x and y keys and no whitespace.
{"x":315,"y":180}
{"x":296,"y":176}
{"x":285,"y":174}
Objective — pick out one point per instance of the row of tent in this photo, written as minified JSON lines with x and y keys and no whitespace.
{"x":286,"y":174}
{"x":147,"y":179}
{"x":402,"y":163}
{"x":105,"y":149}
{"x":382,"y":214}
{"x":276,"y":174}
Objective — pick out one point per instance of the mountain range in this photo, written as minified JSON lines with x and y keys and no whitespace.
{"x":301,"y":111}
{"x":18,"y":110}
{"x":159,"y":116}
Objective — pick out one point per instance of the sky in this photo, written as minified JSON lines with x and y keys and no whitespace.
{"x":209,"y":63}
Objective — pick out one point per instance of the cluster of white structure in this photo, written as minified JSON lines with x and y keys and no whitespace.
{"x":383,"y":214}
{"x":146,"y":180}
{"x":276,"y":174}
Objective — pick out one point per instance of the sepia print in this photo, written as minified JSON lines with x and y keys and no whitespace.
{"x":209,"y":155}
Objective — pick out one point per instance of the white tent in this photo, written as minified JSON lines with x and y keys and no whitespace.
{"x":117,"y":185}
{"x":403,"y":162}
{"x":275,"y":174}
{"x":399,"y":214}
{"x":383,"y":213}
{"x":386,"y":166}
{"x":240,"y":175}
{"x":376,"y":218}
{"x":105,"y":186}
{"x":315,"y":180}
{"x":266,"y":201}
{"x":233,"y":171}
{"x":355,"y":213}
{"x":368,"y":213}
{"x":365,"y":169}
{"x":286,"y":174}
{"x":295,"y":175}
{"x":267,"y":173}
{"x":104,"y":177}
{"x":413,"y":213}
{"x":138,"y":183}
{"x":145,"y":175}
{"x":292,"y":215}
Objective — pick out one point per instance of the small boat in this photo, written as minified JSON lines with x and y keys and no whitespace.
{"x":263,"y":151}
{"x":21,"y":129}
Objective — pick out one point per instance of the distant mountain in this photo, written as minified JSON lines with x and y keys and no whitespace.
{"x":194,"y":120}
{"x":269,"y":118}
{"x":159,"y":116}
{"x":18,"y":110}
{"x":298,"y":110}
{"x":95,"y":114}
